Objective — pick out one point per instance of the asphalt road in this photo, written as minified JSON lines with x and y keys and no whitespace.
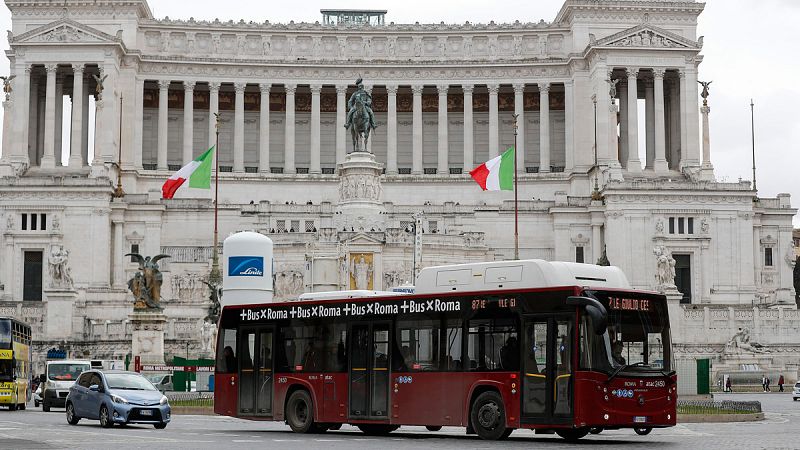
{"x":34,"y":429}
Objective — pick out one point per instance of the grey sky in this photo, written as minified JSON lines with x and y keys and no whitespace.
{"x":750,"y":52}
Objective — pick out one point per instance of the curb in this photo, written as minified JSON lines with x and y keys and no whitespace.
{"x":193,"y":410}
{"x":720,"y":418}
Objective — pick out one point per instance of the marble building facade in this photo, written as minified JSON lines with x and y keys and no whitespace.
{"x":144,"y":91}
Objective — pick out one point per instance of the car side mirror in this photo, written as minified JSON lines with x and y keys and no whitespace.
{"x":94,"y":388}
{"x":42,"y":378}
{"x":594,"y":309}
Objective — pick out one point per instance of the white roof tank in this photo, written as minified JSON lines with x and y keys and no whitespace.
{"x":337,"y":295}
{"x":522,"y":274}
{"x":246,"y":269}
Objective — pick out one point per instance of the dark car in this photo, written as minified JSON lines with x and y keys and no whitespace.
{"x":115,"y":396}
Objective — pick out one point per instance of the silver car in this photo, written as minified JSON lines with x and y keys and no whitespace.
{"x":796,"y":391}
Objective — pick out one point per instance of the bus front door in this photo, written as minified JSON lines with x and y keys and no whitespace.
{"x":369,"y":371}
{"x":547,"y":370}
{"x":255,"y":372}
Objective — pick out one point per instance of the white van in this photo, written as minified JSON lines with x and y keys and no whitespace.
{"x":57,"y":380}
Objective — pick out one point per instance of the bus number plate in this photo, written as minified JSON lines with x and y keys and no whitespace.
{"x":640,"y":419}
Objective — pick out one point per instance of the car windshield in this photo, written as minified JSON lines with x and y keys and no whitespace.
{"x":65,"y":371}
{"x":155,"y":379}
{"x":128,"y":381}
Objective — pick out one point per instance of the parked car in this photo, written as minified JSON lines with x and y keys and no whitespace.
{"x":116,"y":396}
{"x":796,"y":391}
{"x":37,"y":396}
{"x":162,"y":382}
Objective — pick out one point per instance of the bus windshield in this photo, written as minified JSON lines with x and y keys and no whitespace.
{"x":65,"y":371}
{"x":5,"y":334}
{"x":637,"y":337}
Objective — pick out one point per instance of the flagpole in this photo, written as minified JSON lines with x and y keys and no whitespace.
{"x":215,"y":277}
{"x":118,"y":192}
{"x":516,"y":209}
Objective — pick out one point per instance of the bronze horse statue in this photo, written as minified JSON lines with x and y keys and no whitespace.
{"x":360,"y":127}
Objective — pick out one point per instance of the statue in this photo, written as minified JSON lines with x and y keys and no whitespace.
{"x":613,"y":89}
{"x":208,"y":337}
{"x":60,"y":276}
{"x":741,"y":341}
{"x":99,"y":89}
{"x":7,"y":85}
{"x":146,"y":284}
{"x":360,"y":118}
{"x":362,"y":272}
{"x":705,"y":85}
{"x":603,"y":260}
{"x":665,"y":268}
{"x":214,"y":307}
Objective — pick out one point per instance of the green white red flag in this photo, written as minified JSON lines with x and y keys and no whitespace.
{"x":198,"y":172}
{"x":497,"y":174}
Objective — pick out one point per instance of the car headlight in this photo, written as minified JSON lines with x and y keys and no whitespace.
{"x":118,"y":399}
{"x":164,"y":400}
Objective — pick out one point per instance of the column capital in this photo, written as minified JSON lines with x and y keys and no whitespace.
{"x":493,"y":88}
{"x":188,"y":85}
{"x":544,"y":87}
{"x":265,"y":87}
{"x":213,"y":86}
{"x":50,"y":68}
{"x":240,"y":87}
{"x":77,"y":68}
{"x":442,"y":88}
{"x":658,"y":73}
{"x":468,"y":88}
{"x":290,"y":88}
{"x":681,"y":73}
{"x":341,"y":88}
{"x":315,"y":89}
{"x":391,"y":89}
{"x":631,"y":72}
{"x":519,"y":88}
{"x":163,"y":84}
{"x":416,"y":89}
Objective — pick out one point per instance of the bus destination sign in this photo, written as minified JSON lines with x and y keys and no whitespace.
{"x":629,"y":304}
{"x":349,"y":310}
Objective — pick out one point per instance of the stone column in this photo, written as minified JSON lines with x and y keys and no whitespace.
{"x":692,"y":116}
{"x":684,"y":129}
{"x":33,"y":127}
{"x":674,"y":124}
{"x":163,"y":123}
{"x":188,"y":121}
{"x":544,"y":127}
{"x":289,"y":138}
{"x":49,"y":160}
{"x":634,"y":164}
{"x":469,"y":150}
{"x":391,"y":130}
{"x":213,"y":109}
{"x":76,"y":137}
{"x":569,"y":124}
{"x":650,"y":124}
{"x":341,"y":116}
{"x":263,"y":129}
{"x":519,"y":110}
{"x":597,"y":247}
{"x":87,"y":88}
{"x":416,"y":148}
{"x":21,"y":100}
{"x":622,"y":91}
{"x":118,"y":264}
{"x":238,"y":128}
{"x":660,"y":164}
{"x":368,"y":146}
{"x":707,"y":167}
{"x":137,"y":122}
{"x":442,"y":143}
{"x":494,"y":125}
{"x":316,"y":89}
{"x":59,"y":123}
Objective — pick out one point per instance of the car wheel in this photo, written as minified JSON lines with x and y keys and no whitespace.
{"x":22,"y":406}
{"x":643,"y":431}
{"x":105,"y":418}
{"x":434,"y":428}
{"x":300,"y":412}
{"x":35,"y":403}
{"x":573,"y":434}
{"x":160,"y":426}
{"x":72,"y":419}
{"x":488,"y":416}
{"x":45,"y":407}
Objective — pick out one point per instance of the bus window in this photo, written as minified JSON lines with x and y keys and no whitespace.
{"x":452,"y":347}
{"x":302,"y":347}
{"x":493,"y":344}
{"x":419,"y":345}
{"x":595,"y":354}
{"x":226,"y":359}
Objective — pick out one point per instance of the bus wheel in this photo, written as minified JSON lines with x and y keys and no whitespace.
{"x":643,"y":431}
{"x":45,"y":407}
{"x":488,"y":416}
{"x":595,"y":430}
{"x":573,"y":434}
{"x":22,"y":406}
{"x":12,"y":407}
{"x":433,"y":428}
{"x":377,"y":429}
{"x":300,"y":412}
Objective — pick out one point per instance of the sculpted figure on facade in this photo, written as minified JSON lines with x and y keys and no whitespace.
{"x":367,"y":47}
{"x":391,"y":51}
{"x":660,"y":226}
{"x":704,"y":226}
{"x":266,"y":44}
{"x":362,"y":272}
{"x":60,"y":276}
{"x":208,"y":337}
{"x":665,"y":268}
{"x":467,"y":46}
{"x":740,"y":342}
{"x":289,"y":283}
{"x":10,"y":222}
{"x":417,"y":46}
{"x":146,"y":284}
{"x":7,"y":86}
{"x":98,"y":90}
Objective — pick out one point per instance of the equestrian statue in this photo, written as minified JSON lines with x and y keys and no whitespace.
{"x":360,"y":118}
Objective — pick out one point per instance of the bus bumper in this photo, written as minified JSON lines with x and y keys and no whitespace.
{"x":57,"y":398}
{"x":7,"y":397}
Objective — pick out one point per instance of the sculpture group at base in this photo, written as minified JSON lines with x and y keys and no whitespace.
{"x":146,"y":284}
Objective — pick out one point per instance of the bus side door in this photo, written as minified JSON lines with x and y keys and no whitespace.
{"x":370,"y":345}
{"x":547,"y":369}
{"x":255,"y":371}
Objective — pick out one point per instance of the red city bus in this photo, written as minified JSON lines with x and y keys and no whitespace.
{"x":578,"y":351}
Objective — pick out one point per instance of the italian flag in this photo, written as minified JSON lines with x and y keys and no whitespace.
{"x":198,"y":172}
{"x":497,"y":174}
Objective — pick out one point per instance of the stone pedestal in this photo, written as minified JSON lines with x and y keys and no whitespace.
{"x":60,"y":303}
{"x":148,"y":336}
{"x":360,"y":190}
{"x":675,"y":314}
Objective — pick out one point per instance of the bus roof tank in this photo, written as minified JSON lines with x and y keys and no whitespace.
{"x":247,"y":269}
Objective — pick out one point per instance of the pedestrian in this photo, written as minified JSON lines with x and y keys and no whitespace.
{"x":768,"y":385}
{"x":728,"y":384}
{"x":780,"y":383}
{"x":764,"y":383}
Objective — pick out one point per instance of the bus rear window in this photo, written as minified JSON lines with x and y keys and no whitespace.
{"x":226,"y":358}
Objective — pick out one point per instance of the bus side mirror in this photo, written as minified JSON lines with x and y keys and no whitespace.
{"x":594,"y":309}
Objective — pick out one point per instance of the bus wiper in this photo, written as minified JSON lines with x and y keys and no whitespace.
{"x":624,"y":367}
